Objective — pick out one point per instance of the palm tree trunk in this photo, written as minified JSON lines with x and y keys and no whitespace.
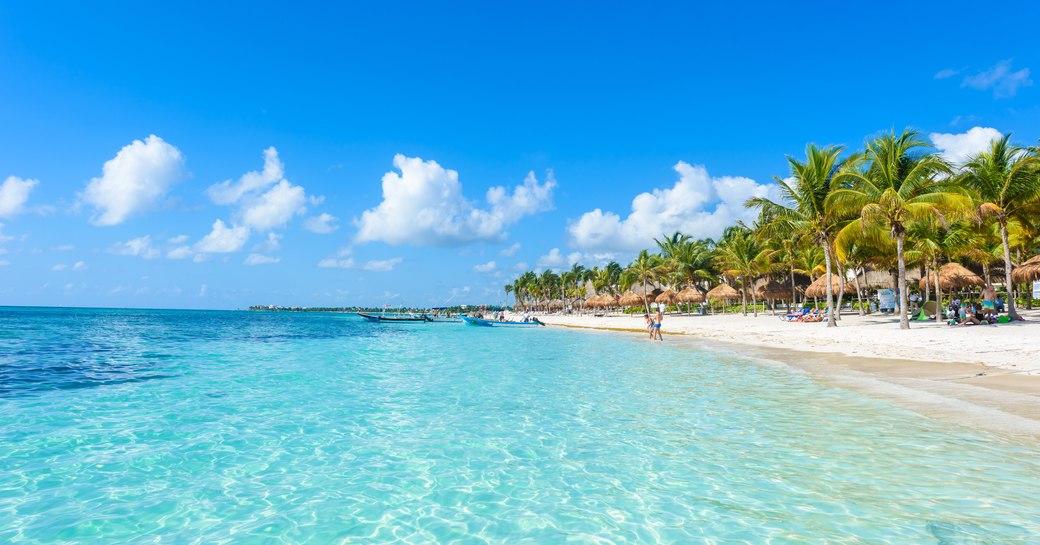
{"x":927,"y":286}
{"x":841,"y":286}
{"x":859,"y":294}
{"x":831,"y":319}
{"x":794,"y":293}
{"x":1007,"y":270}
{"x":938,"y":296}
{"x":904,"y":321}
{"x":646,"y":304}
{"x":754,"y":302}
{"x":743,"y":297}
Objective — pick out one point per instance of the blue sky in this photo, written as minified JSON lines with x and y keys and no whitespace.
{"x":351,"y":155}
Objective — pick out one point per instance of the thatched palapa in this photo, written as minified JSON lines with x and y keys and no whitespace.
{"x":773,"y":290}
{"x":1029,"y":271}
{"x":667,"y":297}
{"x":690,"y":295}
{"x":723,"y":291}
{"x":952,"y":275}
{"x":819,"y":287}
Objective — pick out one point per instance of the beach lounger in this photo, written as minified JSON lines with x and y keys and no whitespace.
{"x":794,"y":316}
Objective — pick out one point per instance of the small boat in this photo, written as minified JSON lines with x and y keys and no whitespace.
{"x":480,"y":322}
{"x":394,"y":319}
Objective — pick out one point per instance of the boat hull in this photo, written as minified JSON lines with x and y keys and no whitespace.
{"x":480,"y":322}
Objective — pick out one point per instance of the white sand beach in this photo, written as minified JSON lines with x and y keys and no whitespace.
{"x":1013,"y":347}
{"x":987,"y":377}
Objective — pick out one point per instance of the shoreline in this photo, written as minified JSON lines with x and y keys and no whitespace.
{"x":1003,"y":399}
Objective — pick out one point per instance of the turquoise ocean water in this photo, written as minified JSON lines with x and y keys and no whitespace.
{"x":180,"y":427}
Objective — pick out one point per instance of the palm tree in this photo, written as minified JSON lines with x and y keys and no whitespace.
{"x":646,"y":268}
{"x":1006,"y":178}
{"x":896,"y":180}
{"x":743,"y":256}
{"x":804,"y":208}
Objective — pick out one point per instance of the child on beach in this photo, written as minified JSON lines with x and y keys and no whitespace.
{"x":649,"y":325}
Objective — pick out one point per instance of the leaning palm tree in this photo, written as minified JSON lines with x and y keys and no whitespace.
{"x":896,"y":180}
{"x":1006,"y":178}
{"x":804,"y":208}
{"x":644,"y":270}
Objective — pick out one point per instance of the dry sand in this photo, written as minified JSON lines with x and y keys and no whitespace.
{"x":986,"y":377}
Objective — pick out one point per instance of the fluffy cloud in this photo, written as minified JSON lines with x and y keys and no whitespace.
{"x":229,"y":192}
{"x":552,"y":260}
{"x":698,"y":204}
{"x":485,"y":267}
{"x":345,"y":261}
{"x":77,"y":266}
{"x":275,"y":207}
{"x":423,"y":205}
{"x":14,"y":193}
{"x":322,"y":224}
{"x":512,"y":249}
{"x":223,"y":239}
{"x":139,"y":175}
{"x":180,"y":252}
{"x":140,"y":246}
{"x":1001,"y":78}
{"x":260,"y":259}
{"x":958,"y":148}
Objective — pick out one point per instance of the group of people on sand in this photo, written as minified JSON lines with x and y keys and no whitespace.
{"x":653,"y":325}
{"x":961,"y":313}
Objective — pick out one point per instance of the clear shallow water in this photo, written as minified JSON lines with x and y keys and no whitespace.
{"x":178,"y":427}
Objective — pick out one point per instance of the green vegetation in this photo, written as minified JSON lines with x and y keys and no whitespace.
{"x":894,"y":205}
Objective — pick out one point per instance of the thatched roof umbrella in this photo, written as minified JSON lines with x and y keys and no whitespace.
{"x":667,"y":297}
{"x":722,"y":291}
{"x":819,"y":287}
{"x":690,"y":295}
{"x":1028,"y":271}
{"x":630,"y":299}
{"x":953,"y":275}
{"x":773,"y":290}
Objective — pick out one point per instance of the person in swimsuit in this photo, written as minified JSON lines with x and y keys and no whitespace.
{"x":649,"y":325}
{"x":657,"y":325}
{"x":989,"y":301}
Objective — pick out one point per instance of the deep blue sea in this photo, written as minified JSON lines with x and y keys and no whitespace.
{"x":185,"y":427}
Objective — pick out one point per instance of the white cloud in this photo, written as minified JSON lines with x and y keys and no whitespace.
{"x":272,"y":244}
{"x":260,"y":259}
{"x":275,"y":207}
{"x":223,"y":239}
{"x":698,"y":205}
{"x":1004,"y":81}
{"x":228,"y":192}
{"x":958,"y":148}
{"x":180,"y":252}
{"x":423,"y":205}
{"x":14,"y":193}
{"x":322,"y":224}
{"x":552,"y":260}
{"x":140,"y":246}
{"x":485,"y":267}
{"x":512,"y":249}
{"x":202,"y":290}
{"x":3,"y":237}
{"x":381,"y":265}
{"x":179,"y":239}
{"x":77,"y":266}
{"x":139,"y":175}
{"x":946,"y":73}
{"x":375,"y":265}
{"x":521,"y":266}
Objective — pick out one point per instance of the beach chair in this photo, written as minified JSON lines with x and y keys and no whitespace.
{"x":794,"y":316}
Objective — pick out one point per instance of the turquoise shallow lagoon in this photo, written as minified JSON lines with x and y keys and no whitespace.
{"x":133,"y":427}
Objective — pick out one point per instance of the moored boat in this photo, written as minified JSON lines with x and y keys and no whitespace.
{"x":480,"y":322}
{"x":395,"y":319}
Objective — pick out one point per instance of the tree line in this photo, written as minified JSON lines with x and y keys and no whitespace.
{"x":894,"y":204}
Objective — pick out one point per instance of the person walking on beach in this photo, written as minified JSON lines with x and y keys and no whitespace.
{"x":649,"y":325}
{"x":989,"y":301}
{"x":655,"y":333}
